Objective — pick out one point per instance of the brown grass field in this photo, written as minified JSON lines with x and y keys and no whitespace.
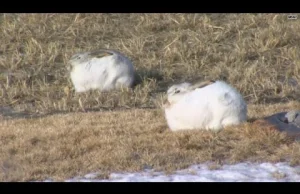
{"x":46,"y":133}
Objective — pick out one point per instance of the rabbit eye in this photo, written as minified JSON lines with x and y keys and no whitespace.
{"x":177,"y":91}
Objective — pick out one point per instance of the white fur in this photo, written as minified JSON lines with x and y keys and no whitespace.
{"x":89,"y":72}
{"x":211,"y":107}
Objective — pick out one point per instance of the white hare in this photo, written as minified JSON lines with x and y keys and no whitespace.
{"x":209,"y":105}
{"x":102,"y":69}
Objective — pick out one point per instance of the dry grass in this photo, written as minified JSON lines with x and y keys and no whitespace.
{"x":259,"y":54}
{"x":278,"y":175}
{"x":66,"y":145}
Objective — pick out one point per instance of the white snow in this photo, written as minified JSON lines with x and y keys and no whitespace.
{"x":241,"y":172}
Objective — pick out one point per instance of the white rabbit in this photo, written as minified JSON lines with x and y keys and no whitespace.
{"x":206,"y":105}
{"x":103,"y":69}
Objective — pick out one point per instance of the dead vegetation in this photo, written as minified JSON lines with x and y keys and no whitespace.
{"x":66,"y":145}
{"x":256,"y":53}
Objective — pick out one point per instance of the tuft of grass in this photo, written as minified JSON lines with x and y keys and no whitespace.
{"x":278,"y":175}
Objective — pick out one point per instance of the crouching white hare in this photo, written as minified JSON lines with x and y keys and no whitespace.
{"x":102,"y":69}
{"x":209,"y":105}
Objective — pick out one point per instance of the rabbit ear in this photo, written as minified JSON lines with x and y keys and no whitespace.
{"x":226,"y":98}
{"x":201,"y":84}
{"x":100,"y":53}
